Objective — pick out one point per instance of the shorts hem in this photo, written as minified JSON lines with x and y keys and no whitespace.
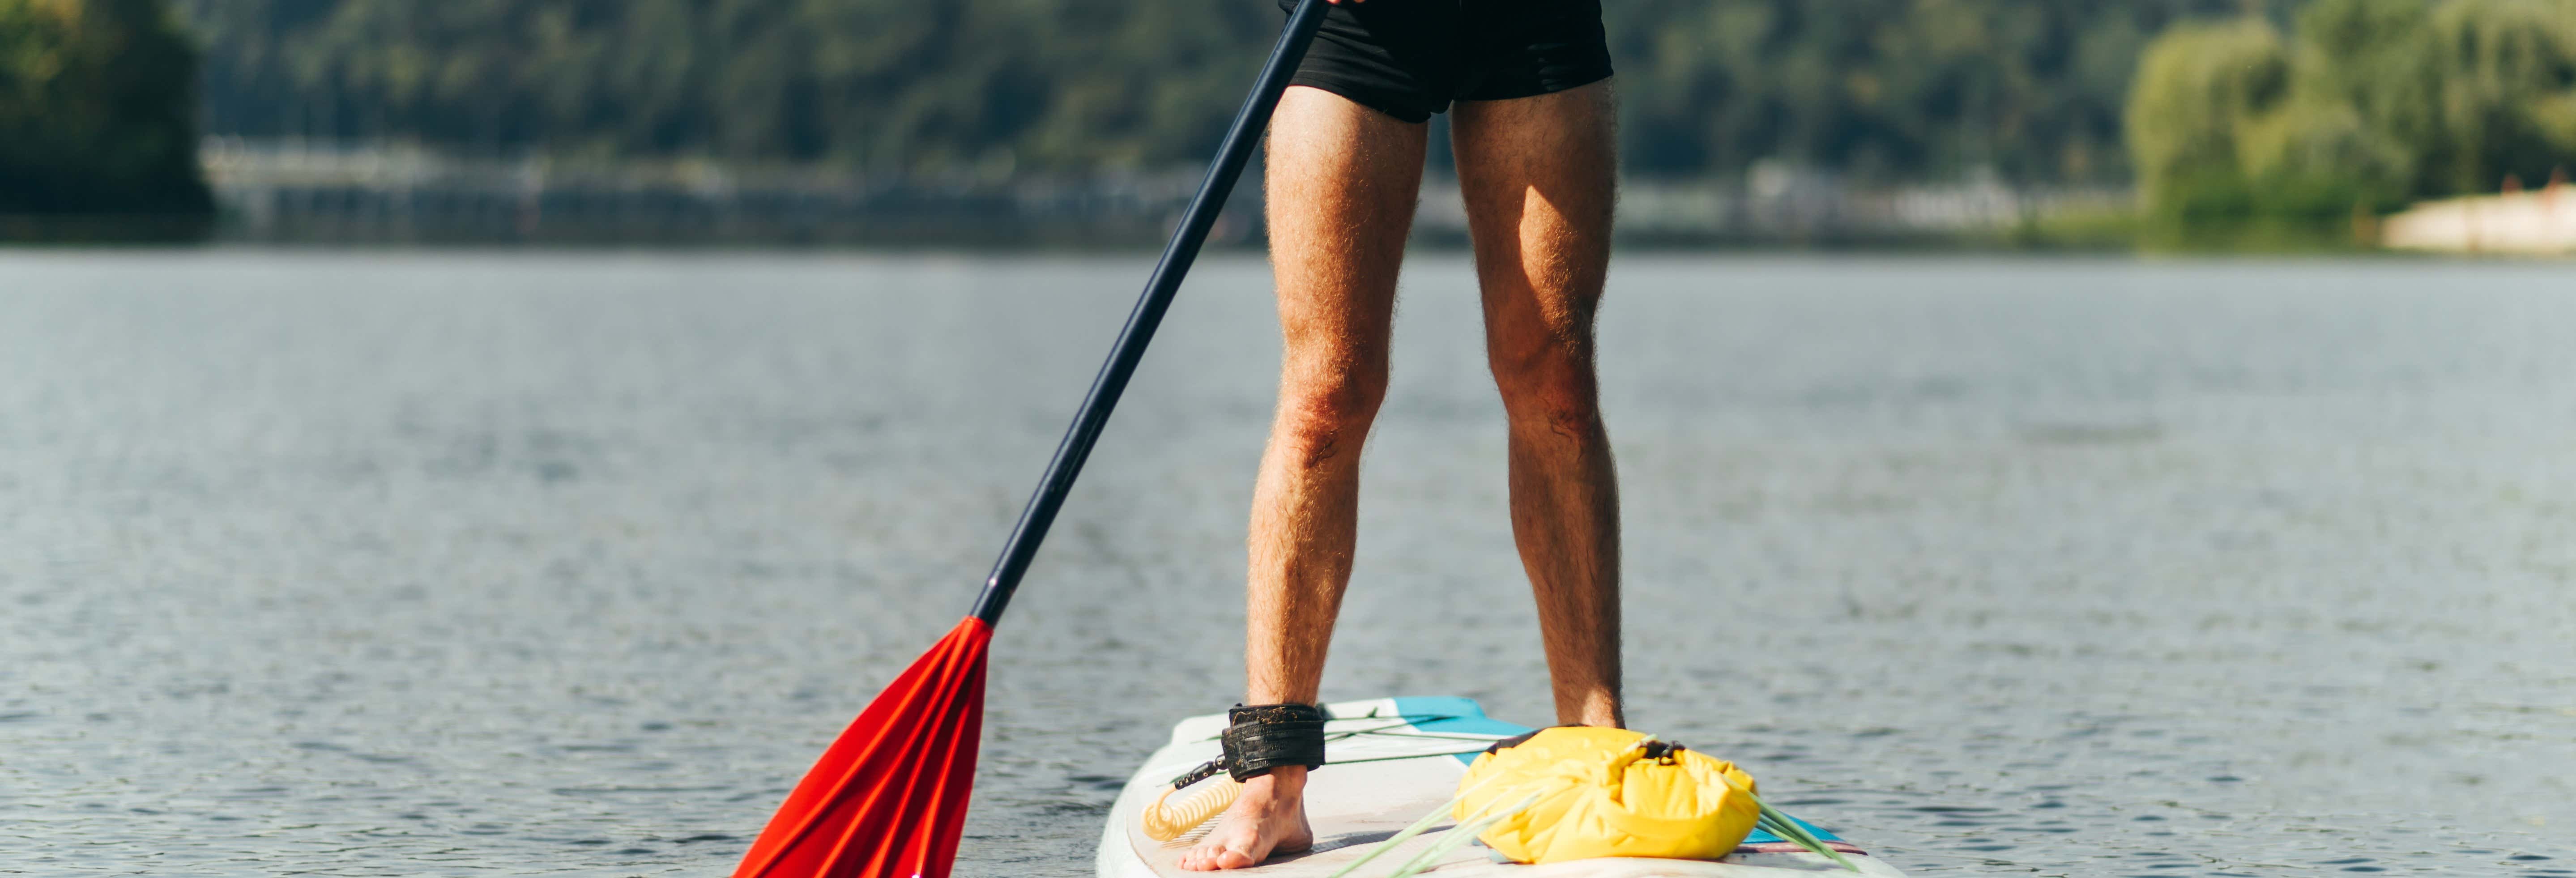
{"x":1374,"y":99}
{"x":1546,"y":86}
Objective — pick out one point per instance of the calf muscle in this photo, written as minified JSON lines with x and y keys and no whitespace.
{"x":1539,"y":178}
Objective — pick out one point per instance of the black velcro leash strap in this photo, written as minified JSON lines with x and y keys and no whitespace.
{"x":1658,"y":750}
{"x":1513,"y":741}
{"x":1261,"y":737}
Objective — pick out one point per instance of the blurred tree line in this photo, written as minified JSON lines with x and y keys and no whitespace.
{"x":2216,"y":107}
{"x":1877,"y":89}
{"x":2364,"y":105}
{"x":96,"y":111}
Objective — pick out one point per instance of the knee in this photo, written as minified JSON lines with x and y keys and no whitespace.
{"x":1549,"y":391}
{"x":1325,"y":412}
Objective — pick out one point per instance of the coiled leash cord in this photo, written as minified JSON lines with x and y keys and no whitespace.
{"x":1164,"y":822}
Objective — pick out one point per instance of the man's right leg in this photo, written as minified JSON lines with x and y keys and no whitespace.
{"x":1342,"y":182}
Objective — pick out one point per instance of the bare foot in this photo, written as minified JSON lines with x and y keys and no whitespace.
{"x":1269,"y":817}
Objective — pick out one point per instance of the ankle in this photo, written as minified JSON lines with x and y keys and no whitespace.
{"x":1597,"y":707}
{"x":1285,"y":780}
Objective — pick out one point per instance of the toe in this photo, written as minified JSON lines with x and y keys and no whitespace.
{"x":1235,"y":859}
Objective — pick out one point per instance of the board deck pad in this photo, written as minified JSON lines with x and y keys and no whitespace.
{"x":1394,"y":760}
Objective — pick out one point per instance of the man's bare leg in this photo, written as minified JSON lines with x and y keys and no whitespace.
{"x":1539,"y":175}
{"x":1342,"y":182}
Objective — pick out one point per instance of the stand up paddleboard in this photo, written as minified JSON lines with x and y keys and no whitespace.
{"x":1394,"y":760}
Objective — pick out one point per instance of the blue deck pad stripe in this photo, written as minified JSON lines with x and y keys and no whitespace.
{"x":1451,"y":713}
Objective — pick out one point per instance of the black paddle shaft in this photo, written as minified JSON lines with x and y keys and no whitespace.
{"x":1240,"y":139}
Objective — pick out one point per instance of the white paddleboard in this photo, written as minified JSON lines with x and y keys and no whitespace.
{"x":1394,"y":760}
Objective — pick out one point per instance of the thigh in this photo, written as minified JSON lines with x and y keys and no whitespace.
{"x":1341,"y":181}
{"x":1540,"y":177}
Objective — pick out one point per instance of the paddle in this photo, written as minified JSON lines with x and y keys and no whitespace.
{"x":888,"y":799}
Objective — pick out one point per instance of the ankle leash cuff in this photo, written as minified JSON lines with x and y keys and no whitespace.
{"x":1261,"y":737}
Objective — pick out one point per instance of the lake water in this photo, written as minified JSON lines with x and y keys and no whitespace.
{"x":460,"y":563}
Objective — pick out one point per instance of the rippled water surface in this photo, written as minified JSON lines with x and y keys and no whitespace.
{"x":471,"y":564}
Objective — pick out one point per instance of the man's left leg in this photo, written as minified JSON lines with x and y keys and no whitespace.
{"x":1539,"y":174}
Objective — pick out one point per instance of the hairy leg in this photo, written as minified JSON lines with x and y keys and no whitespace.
{"x":1539,"y":175}
{"x":1342,"y":182}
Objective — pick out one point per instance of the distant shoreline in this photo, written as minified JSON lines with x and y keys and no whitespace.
{"x":296,"y":193}
{"x":299,"y":192}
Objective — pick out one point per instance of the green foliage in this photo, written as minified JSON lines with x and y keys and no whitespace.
{"x":1885,"y":88}
{"x":2198,"y":87}
{"x":96,"y":110}
{"x":2505,"y":75}
{"x":2375,"y":103}
{"x":1881,"y":89}
{"x":933,"y":86}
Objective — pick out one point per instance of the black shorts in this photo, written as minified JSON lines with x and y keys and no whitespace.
{"x":1410,"y":58}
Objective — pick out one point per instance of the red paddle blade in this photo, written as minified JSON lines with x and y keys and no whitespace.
{"x":888,"y":800}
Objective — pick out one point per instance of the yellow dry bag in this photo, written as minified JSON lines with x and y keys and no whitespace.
{"x":1597,"y":792}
